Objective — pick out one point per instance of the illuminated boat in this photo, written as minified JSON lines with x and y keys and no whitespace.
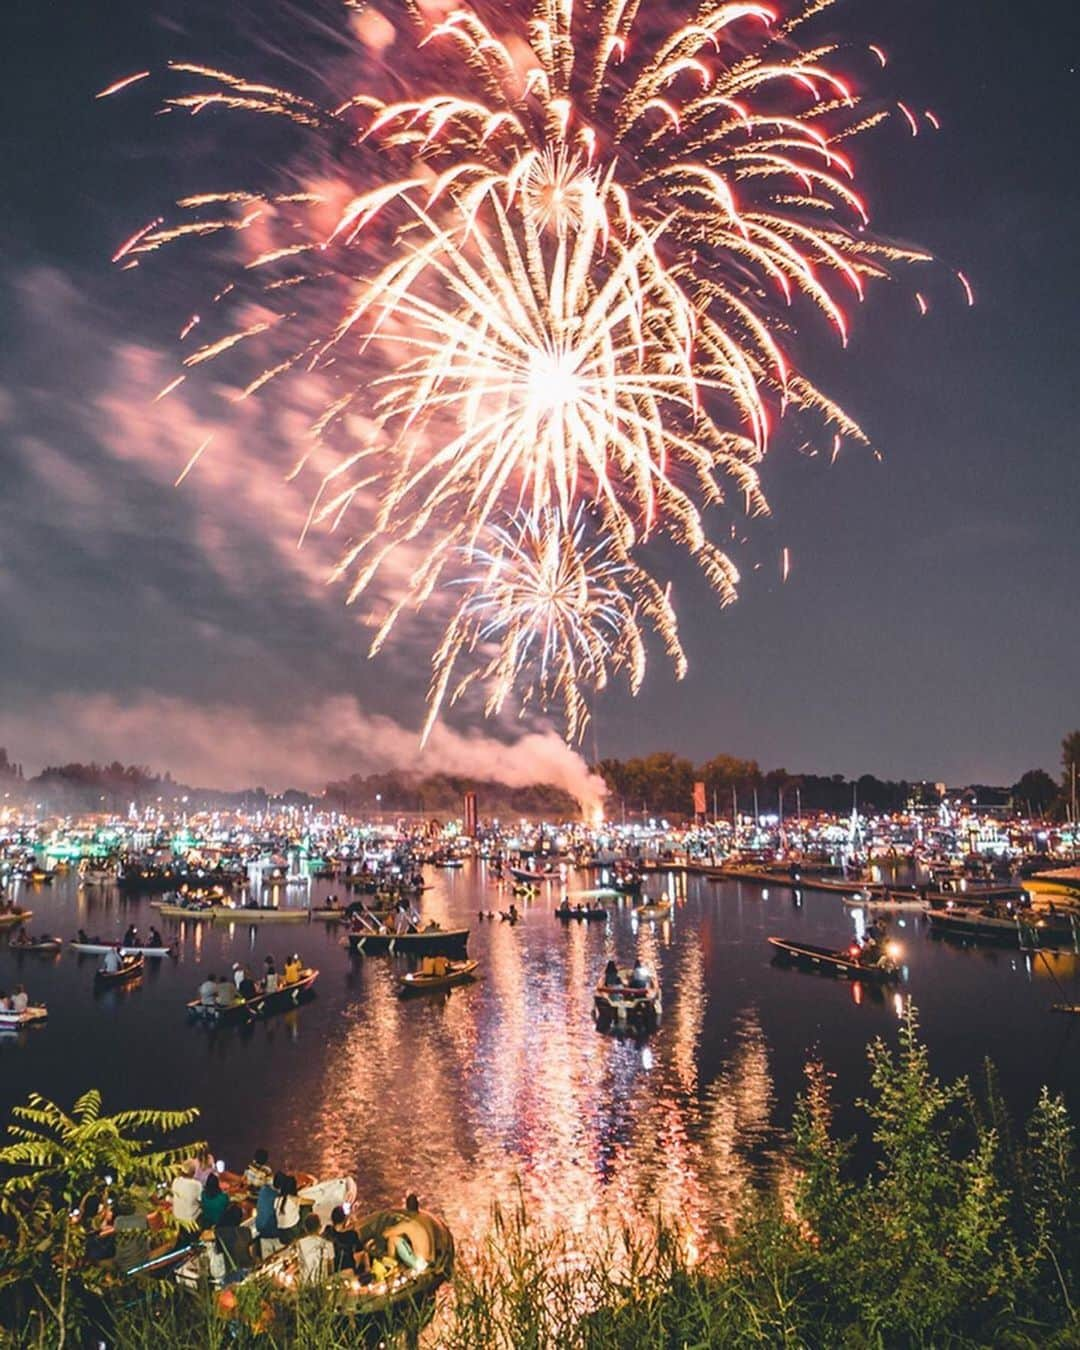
{"x":427,"y":942}
{"x":529,"y":878}
{"x":437,"y":974}
{"x":284,"y":997}
{"x":48,"y":946}
{"x":15,"y":1021}
{"x":626,"y":1002}
{"x":96,"y":948}
{"x":130,"y":969}
{"x":655,"y":909}
{"x":853,"y":963}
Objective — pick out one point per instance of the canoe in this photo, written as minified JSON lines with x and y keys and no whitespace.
{"x":100,"y":948}
{"x":130,"y":969}
{"x":333,"y":915}
{"x":829,"y":962}
{"x":624,"y":1002}
{"x":419,"y":982}
{"x":12,"y":1021}
{"x":19,"y":916}
{"x":430,"y":942}
{"x":49,"y":946}
{"x":580,"y":912}
{"x":262,"y":1005}
{"x":234,"y":913}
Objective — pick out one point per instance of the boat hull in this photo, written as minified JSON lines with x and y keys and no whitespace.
{"x":826,"y":962}
{"x":416,"y":983}
{"x":452,"y":942}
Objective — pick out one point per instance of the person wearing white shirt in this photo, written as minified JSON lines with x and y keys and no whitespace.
{"x":20,"y":1001}
{"x":187,"y":1196}
{"x":314,"y":1254}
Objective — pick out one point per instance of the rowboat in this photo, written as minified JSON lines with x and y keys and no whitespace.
{"x":530,"y":878}
{"x":330,"y":914}
{"x":887,"y":900}
{"x":581,"y":912}
{"x":625,"y":1002}
{"x":285,"y":996}
{"x":100,"y":948}
{"x":280,"y":1274}
{"x":130,"y":969}
{"x":441,"y":974}
{"x":429,"y":942}
{"x":658,"y":909}
{"x":847,"y":962}
{"x":13,"y":1021}
{"x":234,"y":913}
{"x":48,"y":946}
{"x":14,"y":917}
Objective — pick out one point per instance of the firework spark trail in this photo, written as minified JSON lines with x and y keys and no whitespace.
{"x":569,"y":273}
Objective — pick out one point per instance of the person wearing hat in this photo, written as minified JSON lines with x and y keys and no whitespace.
{"x":237,"y":974}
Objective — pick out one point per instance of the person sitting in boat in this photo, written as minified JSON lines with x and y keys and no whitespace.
{"x":348,"y":1248}
{"x":225,"y":995}
{"x":639,"y":976}
{"x":512,"y":913}
{"x":186,"y":1195}
{"x":20,"y":1000}
{"x":247,"y":988}
{"x":612,"y":979}
{"x":213,"y":1202}
{"x":235,"y":1242}
{"x":315,"y":1256}
{"x":112,"y":961}
{"x":377,"y":1259}
{"x":286,"y":1207}
{"x":564,"y":907}
{"x":266,"y":1226}
{"x":293,"y":970}
{"x":131,"y":937}
{"x":204,"y":1166}
{"x":155,"y":939}
{"x":270,"y":978}
{"x":5,"y":1001}
{"x":258,"y":1172}
{"x":208,"y":991}
{"x":80,"y":936}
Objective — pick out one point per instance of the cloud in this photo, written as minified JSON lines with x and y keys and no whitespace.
{"x":228,"y":746}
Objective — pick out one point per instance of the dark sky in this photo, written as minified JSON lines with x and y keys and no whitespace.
{"x":928,"y":627}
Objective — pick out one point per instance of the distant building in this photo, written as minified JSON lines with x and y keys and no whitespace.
{"x":471,"y":822}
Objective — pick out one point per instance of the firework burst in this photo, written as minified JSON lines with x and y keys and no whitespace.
{"x":568,"y":275}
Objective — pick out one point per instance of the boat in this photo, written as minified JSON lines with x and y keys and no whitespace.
{"x":588,"y":913}
{"x":848,"y":962}
{"x":48,"y":945}
{"x":887,"y":900}
{"x":404,"y":1288}
{"x":987,"y":925}
{"x":130,"y":969}
{"x":328,"y":914}
{"x":97,"y":876}
{"x":284,"y":997}
{"x":1070,"y":1009}
{"x":435,"y":975}
{"x":627,"y":883}
{"x":15,"y":1021}
{"x":1063,"y":882}
{"x":529,"y":878}
{"x":625,"y":1002}
{"x":233,"y":913}
{"x":100,"y":948}
{"x":428,"y":942}
{"x":656,"y":909}
{"x":13,"y":917}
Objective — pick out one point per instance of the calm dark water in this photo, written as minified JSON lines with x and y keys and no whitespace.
{"x":508,"y":1082}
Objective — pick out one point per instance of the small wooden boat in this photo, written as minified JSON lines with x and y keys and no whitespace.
{"x":589,"y":914}
{"x":14,"y":1021}
{"x":328,"y":914}
{"x":627,"y":883}
{"x":436,"y":974}
{"x":12,"y":918}
{"x":130,"y":969}
{"x":284,"y":997}
{"x":169,"y":910}
{"x":47,"y":946}
{"x":530,"y":878}
{"x":658,"y":909}
{"x":848,"y":962}
{"x":257,"y":914}
{"x":626,"y":1002}
{"x":100,"y":948}
{"x":427,"y":942}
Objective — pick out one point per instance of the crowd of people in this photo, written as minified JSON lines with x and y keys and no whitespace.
{"x":243,"y":1219}
{"x":226,"y":991}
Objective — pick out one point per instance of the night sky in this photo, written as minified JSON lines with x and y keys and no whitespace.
{"x":928,"y":627}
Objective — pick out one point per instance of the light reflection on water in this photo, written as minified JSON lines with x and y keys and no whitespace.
{"x":508,"y":1084}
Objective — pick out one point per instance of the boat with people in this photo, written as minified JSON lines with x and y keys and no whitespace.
{"x":98,"y":947}
{"x":653,"y":909}
{"x":430,"y":941}
{"x":865,"y":961}
{"x":44,"y":945}
{"x":531,"y":877}
{"x":589,"y":913}
{"x":129,"y":968}
{"x":13,"y":916}
{"x":15,"y":1021}
{"x":410,"y":1253}
{"x":630,"y":994}
{"x":261,"y":1004}
{"x":436,"y":974}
